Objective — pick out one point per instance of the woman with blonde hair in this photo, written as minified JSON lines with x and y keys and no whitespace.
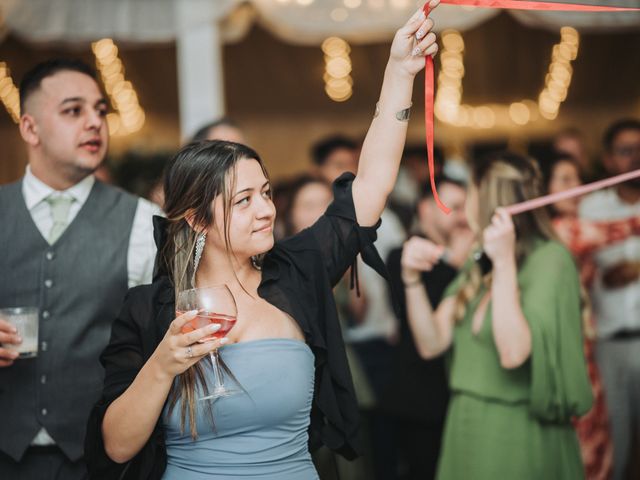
{"x":514,"y":331}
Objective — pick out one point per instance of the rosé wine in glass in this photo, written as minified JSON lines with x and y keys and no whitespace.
{"x":215,"y":305}
{"x":203,"y":319}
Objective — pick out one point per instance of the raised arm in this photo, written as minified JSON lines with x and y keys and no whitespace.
{"x":382,"y":148}
{"x":432,"y":331}
{"x":511,"y":331}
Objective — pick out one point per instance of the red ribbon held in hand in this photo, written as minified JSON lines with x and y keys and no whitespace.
{"x":429,"y":82}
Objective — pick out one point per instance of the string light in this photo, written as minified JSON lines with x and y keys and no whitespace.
{"x":448,"y":102}
{"x":534,"y":113}
{"x":449,"y":96}
{"x":9,"y":93}
{"x":558,"y":80}
{"x":337,"y":76}
{"x":129,"y":116}
{"x":339,"y":14}
{"x":519,"y":113}
{"x":484,"y":117}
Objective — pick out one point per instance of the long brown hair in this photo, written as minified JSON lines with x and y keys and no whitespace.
{"x":196,"y":175}
{"x":501,"y":180}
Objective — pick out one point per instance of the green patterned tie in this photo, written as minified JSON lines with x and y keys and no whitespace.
{"x":60,"y":206}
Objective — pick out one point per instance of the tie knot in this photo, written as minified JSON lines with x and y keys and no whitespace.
{"x":60,"y":205}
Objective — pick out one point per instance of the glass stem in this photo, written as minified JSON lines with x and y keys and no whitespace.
{"x":216,"y":370}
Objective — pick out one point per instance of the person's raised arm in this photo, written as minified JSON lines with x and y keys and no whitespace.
{"x":432,"y":331}
{"x":382,"y":148}
{"x":511,"y":331}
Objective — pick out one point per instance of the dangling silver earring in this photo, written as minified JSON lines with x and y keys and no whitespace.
{"x":256,"y":262}
{"x":200,"y":241}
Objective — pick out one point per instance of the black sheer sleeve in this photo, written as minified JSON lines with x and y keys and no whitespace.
{"x":340,"y":238}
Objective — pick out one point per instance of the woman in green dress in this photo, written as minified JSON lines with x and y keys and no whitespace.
{"x":514,"y":334}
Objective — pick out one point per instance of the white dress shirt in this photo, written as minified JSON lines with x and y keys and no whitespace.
{"x":142,"y":249}
{"x":619,"y":308}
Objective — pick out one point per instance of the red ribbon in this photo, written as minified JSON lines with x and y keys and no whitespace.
{"x":429,"y":83}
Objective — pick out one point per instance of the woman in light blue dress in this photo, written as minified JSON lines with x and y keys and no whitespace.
{"x":260,"y":434}
{"x":285,"y":349}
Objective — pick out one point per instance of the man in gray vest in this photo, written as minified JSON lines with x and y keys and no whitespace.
{"x":70,"y":246}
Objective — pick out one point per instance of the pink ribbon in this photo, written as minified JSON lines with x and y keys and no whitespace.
{"x":570,"y":193}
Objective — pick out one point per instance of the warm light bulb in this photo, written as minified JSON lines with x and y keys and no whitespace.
{"x":519,"y":113}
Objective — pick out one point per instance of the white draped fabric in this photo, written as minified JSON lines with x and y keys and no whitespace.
{"x":617,"y":22}
{"x":124,"y":20}
{"x":295,"y":21}
{"x":373,"y":21}
{"x":199,"y":27}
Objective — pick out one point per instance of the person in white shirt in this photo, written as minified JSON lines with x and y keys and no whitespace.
{"x":71,"y":246}
{"x":616,"y":293}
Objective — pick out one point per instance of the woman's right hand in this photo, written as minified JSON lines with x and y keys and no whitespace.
{"x":418,"y":255}
{"x":178,"y":351}
{"x":414,"y":41}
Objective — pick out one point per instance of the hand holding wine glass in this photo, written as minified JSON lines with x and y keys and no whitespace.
{"x":178,"y":351}
{"x":213,"y":306}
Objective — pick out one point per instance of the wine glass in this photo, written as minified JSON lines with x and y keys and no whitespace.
{"x":215,"y":305}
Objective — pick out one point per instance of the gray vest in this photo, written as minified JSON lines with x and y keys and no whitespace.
{"x":78,"y":284}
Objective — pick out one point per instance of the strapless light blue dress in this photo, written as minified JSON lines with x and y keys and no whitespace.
{"x":261,"y":434}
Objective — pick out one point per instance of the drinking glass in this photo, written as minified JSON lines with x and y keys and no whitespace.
{"x":25,"y":319}
{"x":215,"y":305}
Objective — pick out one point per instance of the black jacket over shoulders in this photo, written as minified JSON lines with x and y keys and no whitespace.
{"x":298,"y":275}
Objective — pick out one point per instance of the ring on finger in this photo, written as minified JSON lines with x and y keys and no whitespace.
{"x":189,"y":352}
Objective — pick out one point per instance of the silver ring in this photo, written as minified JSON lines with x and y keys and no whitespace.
{"x":189,"y":352}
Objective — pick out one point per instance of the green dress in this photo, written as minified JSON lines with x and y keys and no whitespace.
{"x":516,"y":424}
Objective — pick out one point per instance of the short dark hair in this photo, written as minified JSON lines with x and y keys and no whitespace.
{"x":616,"y":129}
{"x":203,"y":131}
{"x":420,"y":151}
{"x":33,"y":78}
{"x":571,"y":132}
{"x":294,"y":188}
{"x":425,"y":188}
{"x":322,"y":149}
{"x":549,"y":164}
